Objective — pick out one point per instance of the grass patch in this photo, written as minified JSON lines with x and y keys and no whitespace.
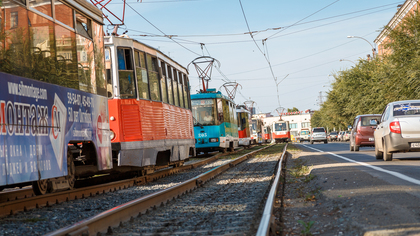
{"x":306,"y":227}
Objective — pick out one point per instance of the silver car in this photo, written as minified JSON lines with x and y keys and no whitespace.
{"x":318,"y":134}
{"x":398,"y":129}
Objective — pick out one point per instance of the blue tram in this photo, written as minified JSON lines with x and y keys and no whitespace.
{"x":215,"y":121}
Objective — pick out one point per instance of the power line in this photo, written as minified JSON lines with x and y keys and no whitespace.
{"x":303,"y":19}
{"x":265,"y":56}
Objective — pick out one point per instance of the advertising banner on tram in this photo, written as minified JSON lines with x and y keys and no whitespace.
{"x":38,"y":120}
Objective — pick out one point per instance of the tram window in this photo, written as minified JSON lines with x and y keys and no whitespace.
{"x":153,"y":78}
{"x":175,"y":87}
{"x":84,"y":62}
{"x":43,"y":6}
{"x":169,"y":83}
{"x":226,"y":114}
{"x":108,"y":74}
{"x":219,"y":111}
{"x":83,"y":26}
{"x":204,"y":111}
{"x":126,"y":73}
{"x":186,"y":97}
{"x":163,"y":81}
{"x":66,"y":59}
{"x":142,"y":80}
{"x":63,"y":13}
{"x":232,"y":117}
{"x":180,"y":90}
{"x":98,"y":43}
{"x":235,"y":117}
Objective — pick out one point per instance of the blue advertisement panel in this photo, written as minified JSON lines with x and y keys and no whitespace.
{"x":38,"y":120}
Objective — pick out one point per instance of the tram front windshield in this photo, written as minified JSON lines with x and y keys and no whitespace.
{"x":280,"y":127}
{"x":204,"y":111}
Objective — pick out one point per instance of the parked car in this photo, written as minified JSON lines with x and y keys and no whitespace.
{"x":361,"y":134}
{"x":340,"y":136}
{"x":346,"y":136}
{"x":398,"y":129}
{"x":332,"y":136}
{"x":318,"y":134}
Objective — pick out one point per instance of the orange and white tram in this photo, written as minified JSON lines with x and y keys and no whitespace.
{"x":149,"y":105}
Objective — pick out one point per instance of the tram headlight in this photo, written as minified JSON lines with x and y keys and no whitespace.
{"x":112,"y":134}
{"x":214,"y":140}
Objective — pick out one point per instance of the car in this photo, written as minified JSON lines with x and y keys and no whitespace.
{"x":340,"y":136}
{"x":333,"y":136}
{"x":346,"y":136}
{"x":318,"y":134}
{"x":305,"y":135}
{"x":361,"y":134}
{"x":398,"y":129}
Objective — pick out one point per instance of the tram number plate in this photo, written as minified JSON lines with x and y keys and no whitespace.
{"x":415,"y":145}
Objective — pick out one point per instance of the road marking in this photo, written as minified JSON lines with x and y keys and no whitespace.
{"x":396,"y":174}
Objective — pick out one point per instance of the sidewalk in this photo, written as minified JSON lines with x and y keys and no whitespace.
{"x":338,"y":198}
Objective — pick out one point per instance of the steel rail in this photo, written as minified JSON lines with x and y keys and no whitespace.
{"x":266,"y":226}
{"x":27,"y":203}
{"x":103,"y":222}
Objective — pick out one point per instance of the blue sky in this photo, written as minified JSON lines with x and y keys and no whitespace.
{"x":307,"y":48}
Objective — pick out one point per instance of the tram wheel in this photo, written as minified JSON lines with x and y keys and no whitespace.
{"x":71,"y":170}
{"x":40,"y":187}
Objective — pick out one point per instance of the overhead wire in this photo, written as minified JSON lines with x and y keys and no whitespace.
{"x":265,"y":56}
{"x":146,"y":34}
{"x":285,"y":28}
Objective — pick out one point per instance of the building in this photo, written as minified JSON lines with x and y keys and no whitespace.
{"x":403,"y":10}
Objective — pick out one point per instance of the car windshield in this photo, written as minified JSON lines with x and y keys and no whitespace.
{"x":319,"y":130}
{"x":304,"y":132}
{"x":366,"y":120}
{"x":407,"y":109}
{"x":333,"y":133}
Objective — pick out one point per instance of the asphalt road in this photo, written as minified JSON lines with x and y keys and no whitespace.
{"x":372,"y":197}
{"x":404,"y":169}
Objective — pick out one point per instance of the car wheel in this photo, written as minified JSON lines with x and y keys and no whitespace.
{"x":312,"y":142}
{"x":325,"y":142}
{"x":387,"y":156}
{"x":351,"y":147}
{"x":356,"y":148}
{"x":378,"y":154}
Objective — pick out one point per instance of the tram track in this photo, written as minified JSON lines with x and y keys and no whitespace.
{"x":7,"y":222}
{"x":225,"y":188}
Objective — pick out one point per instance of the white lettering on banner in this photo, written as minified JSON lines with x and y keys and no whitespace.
{"x":19,"y":89}
{"x":23,"y":119}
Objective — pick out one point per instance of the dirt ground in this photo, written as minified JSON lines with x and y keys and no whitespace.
{"x":324,"y":197}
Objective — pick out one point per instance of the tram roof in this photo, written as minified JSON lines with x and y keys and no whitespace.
{"x":217,"y":94}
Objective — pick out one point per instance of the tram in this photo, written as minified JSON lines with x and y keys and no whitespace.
{"x":149,"y":106}
{"x":54,"y":124}
{"x":266,"y":134}
{"x":280,"y":131}
{"x":243,"y":126}
{"x":256,"y":129}
{"x":215,"y":121}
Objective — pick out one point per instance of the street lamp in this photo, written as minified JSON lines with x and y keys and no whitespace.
{"x":348,"y":60}
{"x":373,"y":48}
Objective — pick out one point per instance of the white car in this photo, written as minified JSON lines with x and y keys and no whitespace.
{"x":398,"y":129}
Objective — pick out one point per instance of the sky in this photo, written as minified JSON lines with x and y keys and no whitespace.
{"x":294,"y":45}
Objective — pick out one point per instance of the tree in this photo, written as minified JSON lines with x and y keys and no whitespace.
{"x":294,"y":109}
